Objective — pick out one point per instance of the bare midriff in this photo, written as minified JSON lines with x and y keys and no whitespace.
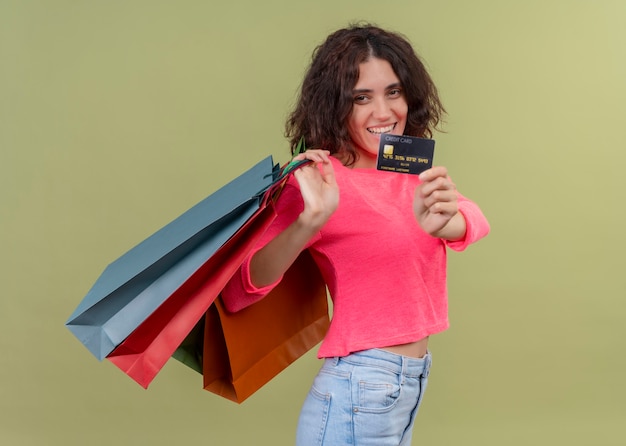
{"x":415,"y":349}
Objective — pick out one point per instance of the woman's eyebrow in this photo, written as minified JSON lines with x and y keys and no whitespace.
{"x":369,"y":90}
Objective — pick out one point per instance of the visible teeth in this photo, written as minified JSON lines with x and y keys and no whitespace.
{"x":379,"y":130}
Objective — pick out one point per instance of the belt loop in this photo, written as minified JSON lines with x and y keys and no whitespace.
{"x":427,"y":363}
{"x":404,"y":367}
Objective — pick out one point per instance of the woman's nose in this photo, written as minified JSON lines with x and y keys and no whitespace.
{"x":382,"y":110}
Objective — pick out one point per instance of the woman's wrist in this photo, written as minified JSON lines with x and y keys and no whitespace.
{"x":454,"y":230}
{"x":309,"y":224}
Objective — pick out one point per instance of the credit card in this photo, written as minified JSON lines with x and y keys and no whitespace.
{"x":405,"y":154}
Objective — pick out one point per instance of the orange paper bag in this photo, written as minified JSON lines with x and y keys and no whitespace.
{"x":244,"y":350}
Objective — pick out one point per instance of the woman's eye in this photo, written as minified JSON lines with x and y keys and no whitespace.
{"x":360,"y":98}
{"x":395,"y":92}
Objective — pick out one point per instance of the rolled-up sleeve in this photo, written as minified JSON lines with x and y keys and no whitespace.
{"x":476,"y":223}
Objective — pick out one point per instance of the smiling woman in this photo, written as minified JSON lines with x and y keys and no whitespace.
{"x":379,"y":107}
{"x":381,"y":248}
{"x":330,"y":85}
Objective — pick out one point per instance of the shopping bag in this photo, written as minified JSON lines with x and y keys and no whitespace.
{"x":136,"y":284}
{"x":243,"y":351}
{"x":147,"y":349}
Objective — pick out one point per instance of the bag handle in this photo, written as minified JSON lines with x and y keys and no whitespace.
{"x":280,"y":174}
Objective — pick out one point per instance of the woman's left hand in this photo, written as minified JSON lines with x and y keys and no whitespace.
{"x":435,"y":205}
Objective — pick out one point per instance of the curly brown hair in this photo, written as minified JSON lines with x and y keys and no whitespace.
{"x":325,"y":100}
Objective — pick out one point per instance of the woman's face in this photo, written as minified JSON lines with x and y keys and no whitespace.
{"x":378,"y":107}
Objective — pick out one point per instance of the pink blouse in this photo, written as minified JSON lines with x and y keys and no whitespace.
{"x":385,"y":275}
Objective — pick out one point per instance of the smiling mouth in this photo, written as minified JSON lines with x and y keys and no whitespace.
{"x":381,"y":130}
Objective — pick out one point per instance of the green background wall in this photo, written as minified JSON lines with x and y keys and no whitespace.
{"x":117,"y":116}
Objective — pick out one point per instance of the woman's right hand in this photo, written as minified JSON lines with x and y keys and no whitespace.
{"x":318,"y":187}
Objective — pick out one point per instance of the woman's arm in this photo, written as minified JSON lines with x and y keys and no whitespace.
{"x":320,"y":195}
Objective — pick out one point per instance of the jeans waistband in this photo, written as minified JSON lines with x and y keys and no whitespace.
{"x":405,"y":365}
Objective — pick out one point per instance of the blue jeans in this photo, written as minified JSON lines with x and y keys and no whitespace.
{"x":366,"y":398}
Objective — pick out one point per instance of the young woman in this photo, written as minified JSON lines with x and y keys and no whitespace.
{"x":379,"y":238}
